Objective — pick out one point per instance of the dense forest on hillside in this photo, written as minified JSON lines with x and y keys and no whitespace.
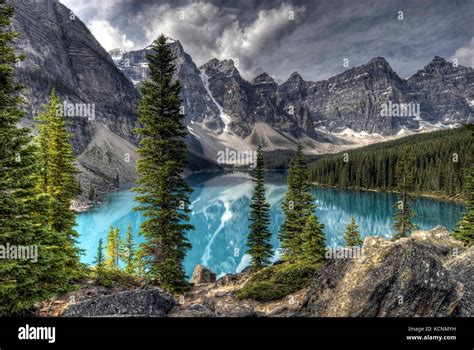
{"x":439,"y":161}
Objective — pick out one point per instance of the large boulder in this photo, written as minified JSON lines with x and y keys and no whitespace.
{"x":202,"y":275}
{"x":402,"y":278}
{"x":141,"y":302}
{"x":462,"y":270}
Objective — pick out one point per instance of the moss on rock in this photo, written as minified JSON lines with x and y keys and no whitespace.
{"x":277,"y":281}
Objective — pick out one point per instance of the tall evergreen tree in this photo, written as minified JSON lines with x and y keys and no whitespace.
{"x":99,"y":258}
{"x":403,"y":221}
{"x":58,"y":184}
{"x":297,"y":206}
{"x":465,"y":228}
{"x":140,"y":261}
{"x":352,"y":235}
{"x":258,"y":241}
{"x":128,"y":251}
{"x":163,"y":193}
{"x":113,"y":249}
{"x":314,"y":240}
{"x":22,"y":281}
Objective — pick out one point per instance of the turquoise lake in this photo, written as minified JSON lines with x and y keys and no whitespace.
{"x":220,"y":211}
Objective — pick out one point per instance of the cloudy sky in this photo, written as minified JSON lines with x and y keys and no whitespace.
{"x":313,"y":37}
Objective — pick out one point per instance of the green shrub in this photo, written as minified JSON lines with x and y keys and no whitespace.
{"x":107,"y":278}
{"x":277,"y":281}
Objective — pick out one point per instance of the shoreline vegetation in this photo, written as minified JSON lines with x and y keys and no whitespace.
{"x":437,"y":165}
{"x":458,"y":199}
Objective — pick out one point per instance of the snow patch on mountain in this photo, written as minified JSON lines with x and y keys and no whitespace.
{"x":191,"y":131}
{"x":117,"y":55}
{"x":224,"y":116}
{"x":427,"y":127}
{"x":358,"y":137}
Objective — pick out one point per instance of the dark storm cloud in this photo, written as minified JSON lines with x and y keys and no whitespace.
{"x":260,"y":35}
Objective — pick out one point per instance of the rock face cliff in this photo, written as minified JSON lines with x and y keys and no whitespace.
{"x":445,"y":92}
{"x":428,"y":274}
{"x":61,"y":53}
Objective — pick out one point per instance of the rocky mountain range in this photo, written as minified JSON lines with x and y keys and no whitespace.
{"x":223,"y":110}
{"x":343,"y":111}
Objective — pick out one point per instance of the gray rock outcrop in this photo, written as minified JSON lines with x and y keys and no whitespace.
{"x":140,"y":302}
{"x":202,"y":275}
{"x":404,"y":278}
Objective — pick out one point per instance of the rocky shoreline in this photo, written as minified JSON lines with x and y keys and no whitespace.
{"x":428,"y":274}
{"x":79,"y":206}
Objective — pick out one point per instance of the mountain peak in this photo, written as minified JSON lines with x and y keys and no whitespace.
{"x":212,"y":62}
{"x":439,"y":67}
{"x":375,"y":67}
{"x":225,"y":66}
{"x":295,"y":76}
{"x":176,"y":46}
{"x":379,"y":61}
{"x":263,"y":78}
{"x":438,"y":61}
{"x":228,"y":63}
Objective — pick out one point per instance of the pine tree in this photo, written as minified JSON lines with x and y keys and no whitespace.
{"x":163,"y":193}
{"x":297,"y":205}
{"x":22,"y":281}
{"x":352,"y":235}
{"x":112,"y":256}
{"x":99,"y":258}
{"x":314,"y":240}
{"x":128,"y":251}
{"x":140,"y":262}
{"x":403,"y":221}
{"x":58,"y":185}
{"x":465,"y":228}
{"x":258,"y":241}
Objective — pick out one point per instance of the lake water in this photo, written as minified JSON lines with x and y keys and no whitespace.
{"x":220,"y":211}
